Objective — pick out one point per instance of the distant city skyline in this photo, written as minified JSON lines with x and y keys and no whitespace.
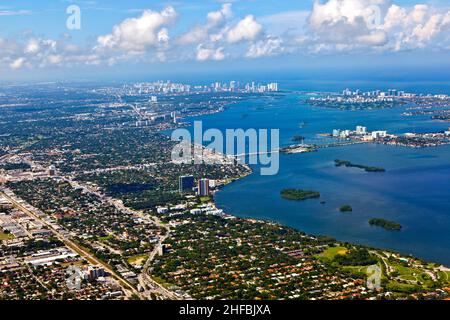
{"x":61,"y":39}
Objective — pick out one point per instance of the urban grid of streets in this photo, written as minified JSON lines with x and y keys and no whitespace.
{"x":144,"y":279}
{"x":147,"y":286}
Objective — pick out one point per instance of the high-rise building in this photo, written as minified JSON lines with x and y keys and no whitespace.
{"x":336,"y":132}
{"x":447,"y":133}
{"x":272,"y":86}
{"x":392,"y":92}
{"x":217,"y":86}
{"x":51,"y":170}
{"x":174,"y":117}
{"x":203,"y":187}
{"x":185,"y":184}
{"x":379,"y":134}
{"x":347,"y":92}
{"x":344,"y":134}
{"x":96,"y":272}
{"x":361,"y":130}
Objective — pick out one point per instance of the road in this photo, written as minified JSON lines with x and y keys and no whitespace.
{"x":128,"y":288}
{"x":145,"y":275}
{"x":144,"y":278}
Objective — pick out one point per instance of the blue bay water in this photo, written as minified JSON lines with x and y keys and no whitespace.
{"x":415,"y":190}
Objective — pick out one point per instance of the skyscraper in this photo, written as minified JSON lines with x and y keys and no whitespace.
{"x":336,"y":132}
{"x":203,"y":187}
{"x":361,"y":130}
{"x":185,"y":183}
{"x":272,"y":86}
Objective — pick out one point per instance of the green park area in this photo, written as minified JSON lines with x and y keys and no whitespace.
{"x":331,"y":252}
{"x":137,"y":259}
{"x":205,"y":199}
{"x":335,"y":254}
{"x":412,"y":277}
{"x":5,"y":236}
{"x":105,"y":238}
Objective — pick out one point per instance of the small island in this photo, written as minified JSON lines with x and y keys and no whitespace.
{"x":346,"y":208}
{"x":348,"y":164}
{"x":386,"y":224}
{"x":299,"y":194}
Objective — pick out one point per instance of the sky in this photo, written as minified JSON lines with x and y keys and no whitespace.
{"x":322,"y":39}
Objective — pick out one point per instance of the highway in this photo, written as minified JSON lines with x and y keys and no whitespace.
{"x":128,"y":288}
{"x":144,"y":278}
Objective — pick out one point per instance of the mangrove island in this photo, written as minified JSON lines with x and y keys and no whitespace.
{"x":386,"y":224}
{"x":299,"y":194}
{"x":346,"y":163}
{"x":346,"y":208}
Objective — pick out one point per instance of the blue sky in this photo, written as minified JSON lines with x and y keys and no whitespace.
{"x":126,"y":39}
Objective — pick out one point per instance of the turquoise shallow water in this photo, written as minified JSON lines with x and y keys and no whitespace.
{"x":415,"y":190}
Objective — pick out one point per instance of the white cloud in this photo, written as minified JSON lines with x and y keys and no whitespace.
{"x":136,"y":35}
{"x":209,"y":53}
{"x":419,"y":13}
{"x":265,"y":47}
{"x":376,"y":38}
{"x":220,"y":33}
{"x":163,"y":35}
{"x":331,"y":25}
{"x":417,"y":27}
{"x":17,"y":63}
{"x":446,"y":20}
{"x":395,"y":16}
{"x":216,"y":17}
{"x":195,"y":35}
{"x":400,"y":17}
{"x":33,"y":52}
{"x":32,"y":47}
{"x":55,"y":58}
{"x":347,"y":24}
{"x":246,"y":29}
{"x":14,"y":13}
{"x":146,"y":38}
{"x":214,"y":20}
{"x":426,"y":31}
{"x":354,"y":24}
{"x":347,"y":11}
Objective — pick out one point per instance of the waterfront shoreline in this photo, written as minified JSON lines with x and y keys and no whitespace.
{"x":364,"y":243}
{"x":231,"y":108}
{"x":247,"y":218}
